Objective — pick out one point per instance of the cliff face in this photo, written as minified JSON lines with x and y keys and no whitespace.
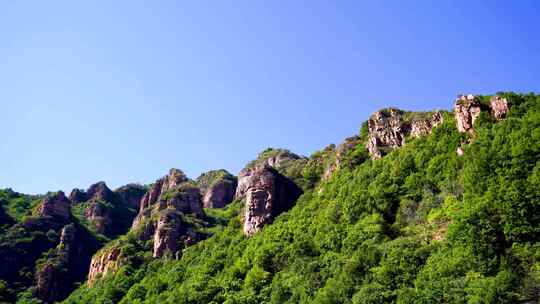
{"x":106,"y":260}
{"x":217,"y":188}
{"x":387,"y":130}
{"x":131,"y":195}
{"x":168,"y":233}
{"x":109,"y":212}
{"x":56,"y":206}
{"x":267,"y":193}
{"x":468,"y":108}
{"x":161,"y":186}
{"x":173,"y":191}
{"x":65,"y":264}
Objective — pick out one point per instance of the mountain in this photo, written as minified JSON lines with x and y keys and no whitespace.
{"x":418,"y":207}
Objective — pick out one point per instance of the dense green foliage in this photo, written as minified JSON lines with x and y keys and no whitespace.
{"x":420,"y":225}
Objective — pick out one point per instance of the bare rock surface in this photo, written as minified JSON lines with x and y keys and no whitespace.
{"x":217,"y":188}
{"x":56,"y":206}
{"x":388,"y":128}
{"x":267,"y":194}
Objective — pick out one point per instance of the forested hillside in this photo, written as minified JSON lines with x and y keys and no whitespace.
{"x":418,"y":207}
{"x":450,"y":217}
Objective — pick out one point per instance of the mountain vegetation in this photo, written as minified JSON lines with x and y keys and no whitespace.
{"x":430,"y":207}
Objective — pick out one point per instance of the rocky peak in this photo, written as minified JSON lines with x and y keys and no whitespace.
{"x":131,"y":195}
{"x":279,"y":159}
{"x":56,"y":206}
{"x":267,"y":194}
{"x":162,"y":185}
{"x":77,"y":196}
{"x":388,"y":128}
{"x":466,"y":109}
{"x":499,"y":107}
{"x":174,"y":192}
{"x":100,"y":191}
{"x":217,"y":188}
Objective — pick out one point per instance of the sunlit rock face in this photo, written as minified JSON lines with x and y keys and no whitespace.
{"x":388,"y":128}
{"x":267,"y":194}
{"x":466,"y":110}
{"x":499,"y":107}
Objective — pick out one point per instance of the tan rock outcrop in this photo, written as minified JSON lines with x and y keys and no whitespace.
{"x":106,"y":260}
{"x":387,"y":130}
{"x":56,"y":206}
{"x":499,"y":107}
{"x":466,"y":109}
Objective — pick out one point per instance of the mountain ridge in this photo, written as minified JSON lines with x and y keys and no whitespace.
{"x":172,"y":210}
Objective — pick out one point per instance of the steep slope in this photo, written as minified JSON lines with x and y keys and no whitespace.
{"x":420,"y":224}
{"x":47,"y":242}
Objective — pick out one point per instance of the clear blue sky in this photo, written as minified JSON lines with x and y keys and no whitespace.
{"x":121,"y":91}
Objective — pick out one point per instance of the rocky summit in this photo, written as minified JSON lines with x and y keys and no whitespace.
{"x":390,"y":215}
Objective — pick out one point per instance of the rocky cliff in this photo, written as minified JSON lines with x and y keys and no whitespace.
{"x":267,"y":193}
{"x":467,"y":109}
{"x":103,"y":262}
{"x":217,"y":188}
{"x":388,"y":128}
{"x":109,"y":212}
{"x":56,"y":206}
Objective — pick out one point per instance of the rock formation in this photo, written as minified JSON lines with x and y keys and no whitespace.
{"x":279,"y":159}
{"x":499,"y":107}
{"x":466,"y":109}
{"x":161,"y":186}
{"x":267,"y":193}
{"x":387,"y":130}
{"x":77,"y":196}
{"x":106,"y":260}
{"x":168,"y":231}
{"x":64,"y":264}
{"x":340,"y":152}
{"x":131,"y":195}
{"x":56,"y":206}
{"x":100,"y":191}
{"x":217,"y":188}
{"x":50,"y":277}
{"x":99,"y":216}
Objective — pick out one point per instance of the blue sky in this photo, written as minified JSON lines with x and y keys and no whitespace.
{"x":121,"y":91}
